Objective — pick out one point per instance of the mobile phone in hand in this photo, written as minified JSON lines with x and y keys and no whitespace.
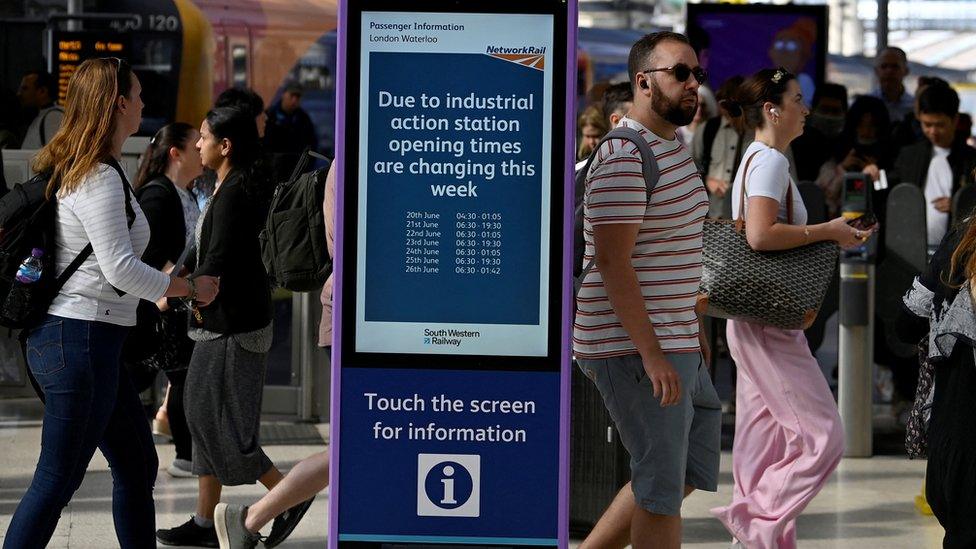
{"x":863,"y":222}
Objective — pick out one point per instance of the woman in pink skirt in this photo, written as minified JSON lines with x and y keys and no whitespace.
{"x":788,"y":435}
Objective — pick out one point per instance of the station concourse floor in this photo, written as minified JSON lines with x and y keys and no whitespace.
{"x":867,"y":504}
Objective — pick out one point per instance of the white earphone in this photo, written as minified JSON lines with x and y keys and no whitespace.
{"x":774,"y":110}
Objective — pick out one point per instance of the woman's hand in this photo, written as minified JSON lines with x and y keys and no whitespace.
{"x":847,"y":236}
{"x":207,"y":289}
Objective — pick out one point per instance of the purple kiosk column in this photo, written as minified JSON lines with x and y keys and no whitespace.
{"x":453,"y":299}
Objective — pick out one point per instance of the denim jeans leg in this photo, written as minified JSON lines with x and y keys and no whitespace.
{"x":128,"y":447}
{"x":80,"y":389}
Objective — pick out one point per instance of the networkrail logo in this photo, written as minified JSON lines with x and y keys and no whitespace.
{"x":530,"y":56}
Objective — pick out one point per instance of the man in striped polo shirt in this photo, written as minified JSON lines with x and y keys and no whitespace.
{"x":637,"y":335}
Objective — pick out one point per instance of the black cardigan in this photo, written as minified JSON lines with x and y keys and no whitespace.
{"x":229,"y":249}
{"x":913,"y":162}
{"x":164,"y":211}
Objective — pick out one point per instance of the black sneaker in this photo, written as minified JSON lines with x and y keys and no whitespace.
{"x":188,"y":534}
{"x":285,"y":523}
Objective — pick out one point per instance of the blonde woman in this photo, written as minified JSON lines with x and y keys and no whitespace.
{"x":75,"y":351}
{"x":592,"y":125}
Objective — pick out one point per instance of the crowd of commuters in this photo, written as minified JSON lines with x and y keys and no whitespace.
{"x":183,"y":240}
{"x":636,"y":332}
{"x":890,"y":134}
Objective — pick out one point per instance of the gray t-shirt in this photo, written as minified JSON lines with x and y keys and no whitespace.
{"x":769,"y":176}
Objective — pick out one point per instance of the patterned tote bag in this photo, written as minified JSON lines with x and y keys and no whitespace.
{"x":784,"y":289}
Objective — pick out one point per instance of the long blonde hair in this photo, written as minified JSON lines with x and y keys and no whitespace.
{"x":85,"y":136}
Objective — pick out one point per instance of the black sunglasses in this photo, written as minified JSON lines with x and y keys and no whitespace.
{"x":682,"y":72}
{"x":118,"y":68}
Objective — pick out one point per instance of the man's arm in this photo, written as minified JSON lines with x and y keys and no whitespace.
{"x":614,"y":244}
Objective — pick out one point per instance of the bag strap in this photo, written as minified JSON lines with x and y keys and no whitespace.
{"x":86,"y":252}
{"x":649,"y":167}
{"x":711,"y":132}
{"x":740,"y":222}
{"x":41,"y":129}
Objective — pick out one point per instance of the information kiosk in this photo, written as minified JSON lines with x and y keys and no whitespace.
{"x":450,"y":385}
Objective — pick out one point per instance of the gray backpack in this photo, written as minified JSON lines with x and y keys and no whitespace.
{"x":293,"y":239}
{"x":651,"y":176}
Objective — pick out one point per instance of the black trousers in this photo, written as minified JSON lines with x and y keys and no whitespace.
{"x":177,"y":415}
{"x":950,"y":485}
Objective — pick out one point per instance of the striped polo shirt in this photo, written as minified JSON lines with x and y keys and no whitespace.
{"x":667,"y":255}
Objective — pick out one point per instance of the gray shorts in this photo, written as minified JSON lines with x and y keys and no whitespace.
{"x":669,"y":447}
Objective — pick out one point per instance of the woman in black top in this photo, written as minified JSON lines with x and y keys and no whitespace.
{"x":233,"y":334}
{"x":170,"y":165}
{"x":941,"y":303}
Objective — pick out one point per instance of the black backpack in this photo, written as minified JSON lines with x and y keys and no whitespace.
{"x":293,"y":239}
{"x":651,"y":177}
{"x":26,"y":222}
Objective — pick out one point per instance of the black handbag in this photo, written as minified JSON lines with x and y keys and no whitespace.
{"x":148,"y":337}
{"x":784,"y":289}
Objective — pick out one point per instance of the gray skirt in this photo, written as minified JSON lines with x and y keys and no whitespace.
{"x":222,"y":399}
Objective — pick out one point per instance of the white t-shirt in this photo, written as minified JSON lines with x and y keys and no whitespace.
{"x":769,"y":176}
{"x":938,"y":184}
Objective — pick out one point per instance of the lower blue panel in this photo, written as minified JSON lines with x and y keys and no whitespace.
{"x":447,"y":539}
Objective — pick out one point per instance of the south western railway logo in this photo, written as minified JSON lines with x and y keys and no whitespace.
{"x":530,"y":56}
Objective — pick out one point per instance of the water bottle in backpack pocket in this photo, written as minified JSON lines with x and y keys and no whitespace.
{"x":19,"y":298}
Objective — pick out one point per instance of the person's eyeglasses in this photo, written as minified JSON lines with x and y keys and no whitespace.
{"x":681,"y":72}
{"x":786,"y":45}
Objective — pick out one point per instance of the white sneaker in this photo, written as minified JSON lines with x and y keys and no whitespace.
{"x":181,"y":468}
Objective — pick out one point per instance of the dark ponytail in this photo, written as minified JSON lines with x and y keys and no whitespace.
{"x":746,"y":102}
{"x":237,"y":126}
{"x":156,"y":158}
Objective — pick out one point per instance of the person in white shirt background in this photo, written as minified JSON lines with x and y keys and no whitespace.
{"x":39,"y":91}
{"x":75,"y":351}
{"x":941,"y":165}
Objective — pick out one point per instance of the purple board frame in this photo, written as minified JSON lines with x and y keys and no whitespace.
{"x":567,"y":289}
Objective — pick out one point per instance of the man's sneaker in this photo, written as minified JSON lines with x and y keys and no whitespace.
{"x":181,"y":468}
{"x":285,"y":523}
{"x":188,"y":534}
{"x":231,"y":533}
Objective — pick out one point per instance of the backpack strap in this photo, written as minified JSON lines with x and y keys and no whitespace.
{"x":44,"y":119}
{"x":708,"y":140}
{"x":86,"y":252}
{"x":652,"y":173}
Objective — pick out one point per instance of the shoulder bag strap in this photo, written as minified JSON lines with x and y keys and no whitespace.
{"x":740,"y":221}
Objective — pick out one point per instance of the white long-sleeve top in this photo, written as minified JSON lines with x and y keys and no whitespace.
{"x":95,"y":213}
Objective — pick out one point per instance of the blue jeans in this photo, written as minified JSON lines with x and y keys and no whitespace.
{"x":89,"y":402}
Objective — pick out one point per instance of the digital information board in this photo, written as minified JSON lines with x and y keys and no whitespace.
{"x":454,"y":185}
{"x":72,"y":48}
{"x":451,"y":349}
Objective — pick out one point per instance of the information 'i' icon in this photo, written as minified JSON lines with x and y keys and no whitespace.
{"x":448,"y":485}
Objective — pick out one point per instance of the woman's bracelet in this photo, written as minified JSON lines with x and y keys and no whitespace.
{"x":192,"y":295}
{"x":806,"y":235}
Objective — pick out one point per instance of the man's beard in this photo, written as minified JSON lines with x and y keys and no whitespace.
{"x":672,"y":111}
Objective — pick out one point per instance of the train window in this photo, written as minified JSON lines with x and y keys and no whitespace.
{"x":238,"y":56}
